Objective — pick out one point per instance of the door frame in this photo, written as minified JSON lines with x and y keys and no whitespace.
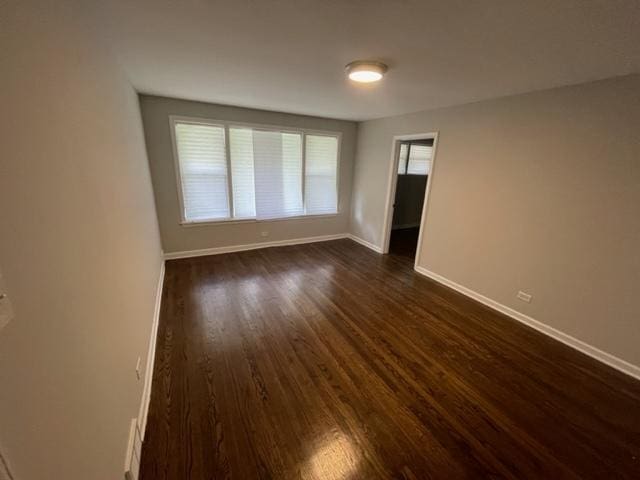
{"x":393,"y":182}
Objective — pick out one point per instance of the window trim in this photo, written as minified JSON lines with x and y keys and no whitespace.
{"x":226,"y":125}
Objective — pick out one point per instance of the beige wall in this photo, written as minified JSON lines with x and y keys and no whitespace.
{"x":537,"y":192}
{"x":177,"y":238}
{"x":79,"y":246}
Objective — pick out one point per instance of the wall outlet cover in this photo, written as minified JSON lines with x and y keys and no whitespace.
{"x":525,"y":297}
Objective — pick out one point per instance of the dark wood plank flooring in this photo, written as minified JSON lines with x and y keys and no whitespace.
{"x":329,"y":361}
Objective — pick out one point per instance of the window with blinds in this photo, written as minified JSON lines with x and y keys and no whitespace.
{"x":241,"y":172}
{"x":321,"y":165}
{"x":203,"y":171}
{"x":415,"y":158}
{"x":402,"y":161}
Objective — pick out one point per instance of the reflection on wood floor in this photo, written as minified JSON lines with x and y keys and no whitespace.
{"x":329,"y":361}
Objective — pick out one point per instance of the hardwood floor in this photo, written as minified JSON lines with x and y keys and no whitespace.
{"x":329,"y":361}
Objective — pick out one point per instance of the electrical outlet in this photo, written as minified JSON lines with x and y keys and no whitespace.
{"x":525,"y":297}
{"x":138,"y":374}
{"x":264,"y":234}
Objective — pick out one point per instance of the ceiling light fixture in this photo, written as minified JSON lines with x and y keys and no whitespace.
{"x":365,"y":71}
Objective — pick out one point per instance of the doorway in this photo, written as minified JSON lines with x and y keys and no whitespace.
{"x":412,"y":169}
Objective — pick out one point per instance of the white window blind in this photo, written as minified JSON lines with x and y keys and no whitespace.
{"x":402,"y":161}
{"x":203,"y":171}
{"x":277,"y":161}
{"x":321,"y":154}
{"x":266,"y":170}
{"x":242,"y":172}
{"x":419,"y":162}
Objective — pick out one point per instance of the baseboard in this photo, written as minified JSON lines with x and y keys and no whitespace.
{"x":405,"y":226}
{"x":134,"y":452}
{"x":251,"y":246}
{"x":139,"y":424}
{"x":5,"y":472}
{"x":151,"y":355}
{"x":604,"y":357}
{"x":370,"y":245}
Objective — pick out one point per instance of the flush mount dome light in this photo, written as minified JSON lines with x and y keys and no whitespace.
{"x":365,"y":71}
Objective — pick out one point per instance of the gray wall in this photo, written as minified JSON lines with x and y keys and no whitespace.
{"x":409,"y":200}
{"x":79,"y":246}
{"x":537,"y":192}
{"x":177,"y":238}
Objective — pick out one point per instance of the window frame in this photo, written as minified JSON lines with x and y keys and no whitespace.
{"x":226,"y":125}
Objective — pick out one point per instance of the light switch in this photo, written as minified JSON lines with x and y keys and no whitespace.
{"x":6,"y":309}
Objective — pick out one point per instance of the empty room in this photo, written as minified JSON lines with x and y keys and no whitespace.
{"x":319,"y":239}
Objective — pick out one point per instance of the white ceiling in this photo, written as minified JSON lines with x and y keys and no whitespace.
{"x":289,"y":55}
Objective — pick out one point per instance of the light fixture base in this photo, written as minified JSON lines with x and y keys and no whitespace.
{"x":366,"y":71}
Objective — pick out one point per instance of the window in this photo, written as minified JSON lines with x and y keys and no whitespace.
{"x":266,"y":173}
{"x":415,"y":158}
{"x":236,"y":172}
{"x":320,"y":174}
{"x":203,"y":171}
{"x":402,"y":161}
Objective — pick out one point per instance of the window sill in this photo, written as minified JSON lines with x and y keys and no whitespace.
{"x":231,"y":221}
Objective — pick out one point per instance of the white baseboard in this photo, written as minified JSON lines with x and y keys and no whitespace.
{"x":604,"y":357}
{"x":370,"y":245}
{"x":5,"y":472}
{"x":151,"y":355}
{"x":134,"y":452}
{"x":139,"y":424}
{"x":252,"y":246}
